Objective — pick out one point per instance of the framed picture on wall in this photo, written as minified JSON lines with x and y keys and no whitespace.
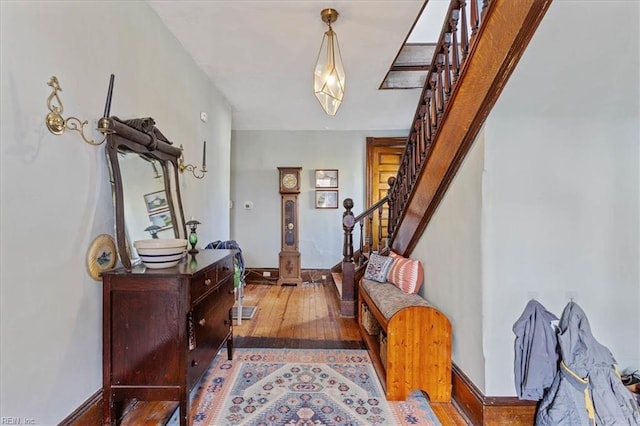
{"x":161,"y":219}
{"x":156,"y":201}
{"x":326,"y":199}
{"x":326,"y":178}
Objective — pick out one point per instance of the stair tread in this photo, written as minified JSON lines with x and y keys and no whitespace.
{"x":337,"y":279}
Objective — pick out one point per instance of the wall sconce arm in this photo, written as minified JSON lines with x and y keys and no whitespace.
{"x":198,"y":174}
{"x":57,"y":124}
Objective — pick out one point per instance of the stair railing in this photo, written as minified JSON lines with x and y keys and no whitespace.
{"x":366,"y":244}
{"x":456,"y":39}
{"x":353,"y":262}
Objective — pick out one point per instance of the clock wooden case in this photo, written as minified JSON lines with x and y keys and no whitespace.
{"x":289,"y":180}
{"x":289,"y":256}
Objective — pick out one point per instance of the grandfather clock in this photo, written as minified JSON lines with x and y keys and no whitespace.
{"x":289,"y":257}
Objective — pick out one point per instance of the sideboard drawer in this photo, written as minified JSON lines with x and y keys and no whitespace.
{"x":210,"y":278}
{"x":212,"y":326}
{"x":203,"y":283}
{"x":225,"y":268}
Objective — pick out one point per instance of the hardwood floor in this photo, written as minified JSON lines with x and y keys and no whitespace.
{"x":306,"y":316}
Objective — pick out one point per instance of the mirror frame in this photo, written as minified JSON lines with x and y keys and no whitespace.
{"x":123,"y":137}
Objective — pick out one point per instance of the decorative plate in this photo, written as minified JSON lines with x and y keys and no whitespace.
{"x":101,"y":256}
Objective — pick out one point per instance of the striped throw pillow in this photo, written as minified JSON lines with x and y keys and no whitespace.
{"x":406,"y":274}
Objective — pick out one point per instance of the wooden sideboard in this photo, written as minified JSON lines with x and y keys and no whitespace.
{"x":163,"y":327}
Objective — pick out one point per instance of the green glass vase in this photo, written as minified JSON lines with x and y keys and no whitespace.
{"x":193,"y":240}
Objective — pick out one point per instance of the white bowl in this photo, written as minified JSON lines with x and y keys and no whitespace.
{"x":160,"y":243}
{"x":161,"y":253}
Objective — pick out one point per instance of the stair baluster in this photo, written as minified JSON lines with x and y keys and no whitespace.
{"x":462,"y":33}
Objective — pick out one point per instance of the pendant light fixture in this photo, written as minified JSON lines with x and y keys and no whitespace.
{"x":329,"y":77}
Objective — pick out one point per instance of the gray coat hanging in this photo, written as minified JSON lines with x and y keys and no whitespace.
{"x":587,"y":389}
{"x":536,"y":351}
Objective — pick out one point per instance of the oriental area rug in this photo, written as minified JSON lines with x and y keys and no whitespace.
{"x":300,"y":387}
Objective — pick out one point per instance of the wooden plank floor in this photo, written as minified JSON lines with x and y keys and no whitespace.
{"x":307,"y":317}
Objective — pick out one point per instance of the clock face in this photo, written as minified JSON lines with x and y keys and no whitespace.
{"x":289,"y":181}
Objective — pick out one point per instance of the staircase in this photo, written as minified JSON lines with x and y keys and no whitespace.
{"x":410,"y":68}
{"x":479,"y":46}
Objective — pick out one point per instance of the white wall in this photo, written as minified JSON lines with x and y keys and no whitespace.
{"x":55,"y":192}
{"x":450,"y":250}
{"x":208,"y":199}
{"x":560,"y":192}
{"x":255,"y":157}
{"x":562,"y":161}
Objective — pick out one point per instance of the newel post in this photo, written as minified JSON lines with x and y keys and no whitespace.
{"x":347,"y":225}
{"x":348,"y":300}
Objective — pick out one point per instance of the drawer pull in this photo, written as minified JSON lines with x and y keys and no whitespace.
{"x":202,"y":322}
{"x":227,"y":322}
{"x":231,"y":291}
{"x":207,"y":282}
{"x":194,"y":363}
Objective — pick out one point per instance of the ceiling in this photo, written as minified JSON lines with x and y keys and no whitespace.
{"x":261,"y":55}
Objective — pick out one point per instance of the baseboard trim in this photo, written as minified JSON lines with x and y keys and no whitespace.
{"x":262,"y":275}
{"x":89,"y":413}
{"x":489,"y":410}
{"x":281,"y":342}
{"x":271,"y":275}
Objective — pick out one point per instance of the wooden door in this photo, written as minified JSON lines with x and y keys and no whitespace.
{"x":383,"y":161}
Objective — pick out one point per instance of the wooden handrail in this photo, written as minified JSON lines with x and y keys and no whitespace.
{"x":448,"y":61}
{"x":370,"y":209}
{"x":450,"y":56}
{"x":499,"y":31}
{"x":447,"y":119}
{"x":366,"y":243}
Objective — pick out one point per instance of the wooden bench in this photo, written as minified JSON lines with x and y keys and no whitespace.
{"x":418,"y":342}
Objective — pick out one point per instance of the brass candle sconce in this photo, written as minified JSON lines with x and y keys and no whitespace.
{"x":57,"y":124}
{"x":198,"y":174}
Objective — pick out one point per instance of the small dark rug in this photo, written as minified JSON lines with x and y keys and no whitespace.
{"x":247,"y":312}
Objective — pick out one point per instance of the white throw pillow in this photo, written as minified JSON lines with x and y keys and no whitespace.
{"x":378,"y":267}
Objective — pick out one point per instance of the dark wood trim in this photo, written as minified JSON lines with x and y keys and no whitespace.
{"x":291,"y":343}
{"x":400,"y":68}
{"x":420,"y":43}
{"x":507,"y":28}
{"x":489,"y":410}
{"x":255,"y":275}
{"x":315,"y":275}
{"x":89,"y":413}
{"x":466,"y":395}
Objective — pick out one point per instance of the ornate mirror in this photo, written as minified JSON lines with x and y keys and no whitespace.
{"x":144,"y":178}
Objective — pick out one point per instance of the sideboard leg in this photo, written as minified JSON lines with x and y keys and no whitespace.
{"x":230,"y":335}
{"x":184,"y":408}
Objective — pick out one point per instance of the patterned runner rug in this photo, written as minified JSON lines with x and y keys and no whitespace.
{"x":300,"y":387}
